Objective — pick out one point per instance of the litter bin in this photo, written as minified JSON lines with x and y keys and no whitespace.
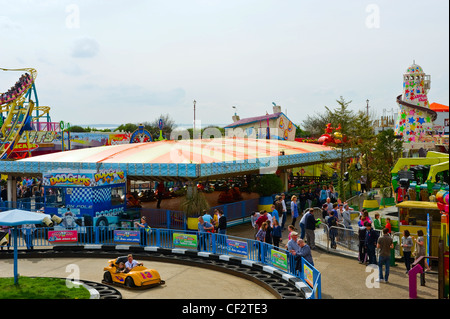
{"x":392,"y":261}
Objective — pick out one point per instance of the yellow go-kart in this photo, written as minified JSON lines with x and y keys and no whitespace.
{"x":138,"y":277}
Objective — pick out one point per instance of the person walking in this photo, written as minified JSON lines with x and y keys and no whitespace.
{"x":332,"y":224}
{"x":310,"y":227}
{"x":363,"y":182}
{"x":407,"y":244}
{"x":284,"y":209}
{"x":294,"y":209}
{"x":362,"y":256}
{"x":302,"y":226}
{"x":276,"y":233}
{"x":384,"y":244}
{"x":371,"y":242}
{"x":420,"y":248}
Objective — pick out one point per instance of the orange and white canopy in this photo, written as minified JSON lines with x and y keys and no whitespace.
{"x":191,"y":159}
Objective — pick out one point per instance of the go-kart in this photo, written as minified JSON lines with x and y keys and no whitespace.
{"x":138,"y":277}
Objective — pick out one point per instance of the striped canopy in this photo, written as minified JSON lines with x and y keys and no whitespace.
{"x":191,"y":159}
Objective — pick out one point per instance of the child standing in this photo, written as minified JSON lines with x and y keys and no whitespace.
{"x":276,"y":233}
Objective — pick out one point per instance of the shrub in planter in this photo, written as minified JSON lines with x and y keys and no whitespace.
{"x":268,"y":185}
{"x":193,"y":205}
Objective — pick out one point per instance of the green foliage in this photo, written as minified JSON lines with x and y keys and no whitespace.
{"x":129,"y":127}
{"x":268,"y":185}
{"x":78,"y":129}
{"x":388,"y":149}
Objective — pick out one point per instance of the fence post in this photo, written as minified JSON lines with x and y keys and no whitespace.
{"x":168,"y":219}
{"x":158,"y":237}
{"x":213,"y":239}
{"x":97,"y":234}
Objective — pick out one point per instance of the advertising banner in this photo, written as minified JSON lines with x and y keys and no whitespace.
{"x":237,"y":247}
{"x":127,"y":236}
{"x":279,"y":259}
{"x":308,"y":274}
{"x":185,"y":240}
{"x":62,"y":236}
{"x":87,"y":178}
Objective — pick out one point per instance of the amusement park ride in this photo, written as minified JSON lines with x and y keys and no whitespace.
{"x":26,"y":127}
{"x":18,"y":104}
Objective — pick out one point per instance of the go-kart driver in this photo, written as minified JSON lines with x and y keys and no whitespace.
{"x":131,"y":263}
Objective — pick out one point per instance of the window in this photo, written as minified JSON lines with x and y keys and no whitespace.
{"x":117,"y":195}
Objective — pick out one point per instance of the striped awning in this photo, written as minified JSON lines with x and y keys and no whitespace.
{"x":193,"y":159}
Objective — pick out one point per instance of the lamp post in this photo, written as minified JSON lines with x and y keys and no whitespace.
{"x":367,"y":108}
{"x":193,"y":127}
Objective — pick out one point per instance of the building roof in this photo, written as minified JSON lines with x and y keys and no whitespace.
{"x":262,"y":119}
{"x":191,"y":159}
{"x":439,"y":107}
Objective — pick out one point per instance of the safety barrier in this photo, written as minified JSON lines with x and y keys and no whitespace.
{"x":251,"y":250}
{"x":236,"y":213}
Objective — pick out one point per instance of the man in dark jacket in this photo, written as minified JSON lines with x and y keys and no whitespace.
{"x":362,"y":244}
{"x":310,"y":227}
{"x":371,"y":242}
{"x":222,"y":227}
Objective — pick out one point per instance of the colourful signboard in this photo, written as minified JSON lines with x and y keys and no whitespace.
{"x":185,"y":240}
{"x":308,"y":275}
{"x":62,"y":236}
{"x":109,"y":177}
{"x":84,"y":178}
{"x":279,"y":259}
{"x":237,"y":247}
{"x":67,"y":179}
{"x":127,"y":236}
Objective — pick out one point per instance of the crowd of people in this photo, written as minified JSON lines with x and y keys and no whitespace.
{"x":372,"y":234}
{"x":16,"y":90}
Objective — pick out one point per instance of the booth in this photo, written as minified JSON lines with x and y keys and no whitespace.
{"x":87,"y":198}
{"x":415,"y":215}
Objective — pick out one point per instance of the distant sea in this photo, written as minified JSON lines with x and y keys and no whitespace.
{"x":112,"y":127}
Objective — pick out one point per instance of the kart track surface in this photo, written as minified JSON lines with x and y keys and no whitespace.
{"x":181,"y":281}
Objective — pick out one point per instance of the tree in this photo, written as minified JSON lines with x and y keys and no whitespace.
{"x":343,"y":118}
{"x":388,"y":149}
{"x":316,"y":124}
{"x":129,"y":127}
{"x":363,"y":143}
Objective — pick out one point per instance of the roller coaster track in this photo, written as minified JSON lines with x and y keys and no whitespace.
{"x":19,"y":114}
{"x":420,"y":108}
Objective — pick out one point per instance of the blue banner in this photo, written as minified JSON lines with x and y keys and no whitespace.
{"x":237,"y":247}
{"x":127,"y":236}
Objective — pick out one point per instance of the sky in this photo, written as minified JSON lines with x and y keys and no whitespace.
{"x":116,"y":62}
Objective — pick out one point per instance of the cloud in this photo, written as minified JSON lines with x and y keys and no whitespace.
{"x":7,"y":25}
{"x":85,"y":47}
{"x":136,"y":95}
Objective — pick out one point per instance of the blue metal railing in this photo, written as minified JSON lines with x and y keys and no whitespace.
{"x":164,"y":238}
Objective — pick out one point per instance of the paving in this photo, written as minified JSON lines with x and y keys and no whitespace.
{"x":343,"y":277}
